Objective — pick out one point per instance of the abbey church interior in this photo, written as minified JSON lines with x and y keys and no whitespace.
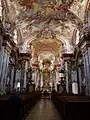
{"x":44,"y":59}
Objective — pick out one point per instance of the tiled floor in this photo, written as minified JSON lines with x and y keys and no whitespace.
{"x":44,"y":110}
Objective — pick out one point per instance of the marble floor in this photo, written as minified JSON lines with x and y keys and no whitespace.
{"x":44,"y":110}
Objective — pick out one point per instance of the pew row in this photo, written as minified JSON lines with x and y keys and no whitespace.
{"x":17,"y":106}
{"x":72,"y":107}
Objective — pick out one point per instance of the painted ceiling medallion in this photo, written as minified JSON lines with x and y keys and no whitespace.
{"x":34,"y":6}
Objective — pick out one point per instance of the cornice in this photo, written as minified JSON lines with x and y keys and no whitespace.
{"x":7,"y":38}
{"x":24,"y":56}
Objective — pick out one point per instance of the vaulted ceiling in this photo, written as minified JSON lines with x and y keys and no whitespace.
{"x":44,"y":19}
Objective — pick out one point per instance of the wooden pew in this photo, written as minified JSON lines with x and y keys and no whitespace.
{"x":16,"y":106}
{"x":72,"y":107}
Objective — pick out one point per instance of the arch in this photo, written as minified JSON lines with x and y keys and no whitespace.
{"x":75,"y":37}
{"x":67,"y":46}
{"x":26,"y":43}
{"x":66,"y":43}
{"x":87,"y":13}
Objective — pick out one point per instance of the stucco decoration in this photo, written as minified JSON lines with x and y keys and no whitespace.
{"x":60,"y":17}
{"x":78,"y":7}
{"x":46,"y":55}
{"x":46,"y":45}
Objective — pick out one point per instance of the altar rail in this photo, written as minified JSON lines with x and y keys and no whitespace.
{"x":17,"y":106}
{"x":72,"y":107}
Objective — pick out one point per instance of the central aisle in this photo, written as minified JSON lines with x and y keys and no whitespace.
{"x":44,"y":110}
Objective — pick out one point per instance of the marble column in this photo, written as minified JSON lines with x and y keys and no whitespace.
{"x":88,"y":65}
{"x":12,"y":76}
{"x":85,"y":49}
{"x":74,"y":82}
{"x":1,"y":38}
{"x":4,"y":70}
{"x":24,"y":70}
{"x":24,"y":62}
{"x":67,"y":77}
{"x":33,"y":75}
{"x":86,"y":61}
{"x":22,"y":74}
{"x":80,"y":78}
{"x":17,"y":78}
{"x":56,"y":78}
{"x":87,"y":72}
{"x":1,"y":59}
{"x":41,"y":79}
{"x":25,"y":73}
{"x":67,"y":64}
{"x":37,"y":78}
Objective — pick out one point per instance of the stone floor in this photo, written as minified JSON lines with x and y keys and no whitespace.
{"x":44,"y":110}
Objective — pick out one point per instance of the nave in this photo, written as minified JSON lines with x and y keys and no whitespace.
{"x":31,"y":106}
{"x":44,"y":110}
{"x":45,"y":45}
{"x":44,"y":48}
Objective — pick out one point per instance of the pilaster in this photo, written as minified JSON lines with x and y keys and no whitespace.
{"x":5,"y":54}
{"x":8,"y":46}
{"x":67,"y":64}
{"x":24,"y":59}
{"x":85,"y":48}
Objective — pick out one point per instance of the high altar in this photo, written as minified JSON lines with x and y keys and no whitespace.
{"x":46,"y":75}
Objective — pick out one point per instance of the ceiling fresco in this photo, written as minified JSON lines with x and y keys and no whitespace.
{"x":45,"y":46}
{"x":78,"y":8}
{"x":44,"y":19}
{"x":46,"y":55}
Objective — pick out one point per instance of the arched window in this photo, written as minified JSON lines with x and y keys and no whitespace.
{"x":15,"y":36}
{"x":77,"y":37}
{"x":0,"y":9}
